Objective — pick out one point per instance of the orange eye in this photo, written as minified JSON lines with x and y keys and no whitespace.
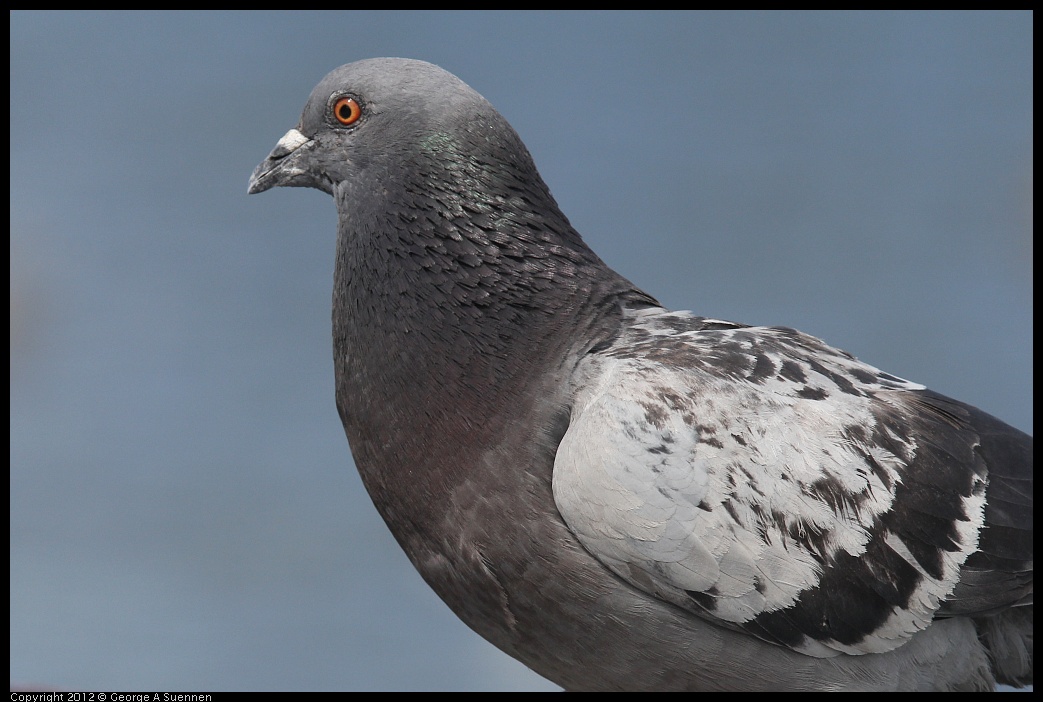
{"x":347,"y":111}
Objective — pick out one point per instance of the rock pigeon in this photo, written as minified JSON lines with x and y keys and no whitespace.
{"x":624,"y":497}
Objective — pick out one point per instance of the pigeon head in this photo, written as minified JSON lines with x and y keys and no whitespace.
{"x":387,"y":128}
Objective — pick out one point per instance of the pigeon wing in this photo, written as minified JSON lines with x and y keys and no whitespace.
{"x":766,"y":481}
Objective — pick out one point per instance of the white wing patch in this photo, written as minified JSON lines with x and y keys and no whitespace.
{"x":727,"y":469}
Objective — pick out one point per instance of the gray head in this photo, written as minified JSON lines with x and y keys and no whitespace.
{"x":375,"y":123}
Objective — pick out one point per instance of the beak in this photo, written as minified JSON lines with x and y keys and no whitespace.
{"x":280,"y":168}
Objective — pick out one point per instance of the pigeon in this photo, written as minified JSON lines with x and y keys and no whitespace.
{"x":624,"y":497}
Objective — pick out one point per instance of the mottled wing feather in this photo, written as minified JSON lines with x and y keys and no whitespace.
{"x":759,"y":478}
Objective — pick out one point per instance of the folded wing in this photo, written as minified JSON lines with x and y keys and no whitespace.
{"x":766,"y":481}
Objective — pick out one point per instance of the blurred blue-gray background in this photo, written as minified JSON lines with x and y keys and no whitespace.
{"x":185,"y":514}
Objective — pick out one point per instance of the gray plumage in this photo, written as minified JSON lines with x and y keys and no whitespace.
{"x":623,"y":497}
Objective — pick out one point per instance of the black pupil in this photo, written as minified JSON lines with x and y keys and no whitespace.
{"x":345,"y":110}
